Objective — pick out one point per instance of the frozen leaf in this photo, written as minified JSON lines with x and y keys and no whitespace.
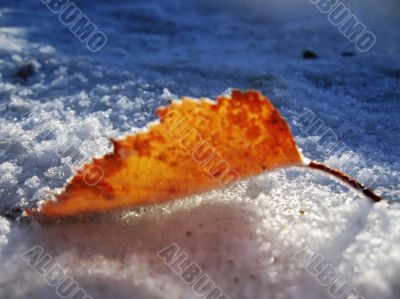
{"x":197,"y":145}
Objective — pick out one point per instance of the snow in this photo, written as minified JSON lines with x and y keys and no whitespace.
{"x":243,"y":237}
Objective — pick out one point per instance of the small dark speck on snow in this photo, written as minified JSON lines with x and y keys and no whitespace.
{"x":308,"y":54}
{"x":25,"y":71}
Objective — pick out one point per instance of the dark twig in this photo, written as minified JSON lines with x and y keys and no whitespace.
{"x":345,"y":178}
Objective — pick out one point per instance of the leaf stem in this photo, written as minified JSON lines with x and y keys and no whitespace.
{"x":345,"y":178}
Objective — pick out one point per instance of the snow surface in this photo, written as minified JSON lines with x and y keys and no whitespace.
{"x":243,"y":237}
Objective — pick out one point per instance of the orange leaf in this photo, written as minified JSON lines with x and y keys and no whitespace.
{"x":198,"y":145}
